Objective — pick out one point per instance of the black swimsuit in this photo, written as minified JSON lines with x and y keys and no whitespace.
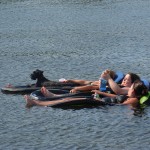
{"x":116,"y":100}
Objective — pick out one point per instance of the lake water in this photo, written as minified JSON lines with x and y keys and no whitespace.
{"x":72,"y":39}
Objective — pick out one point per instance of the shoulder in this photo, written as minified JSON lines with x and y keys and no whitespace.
{"x":131,"y":101}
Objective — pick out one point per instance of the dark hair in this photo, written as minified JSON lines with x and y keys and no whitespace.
{"x":139,"y":88}
{"x":134,"y":77}
{"x":111,"y":73}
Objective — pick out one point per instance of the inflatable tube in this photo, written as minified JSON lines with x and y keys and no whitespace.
{"x":74,"y":102}
{"x":146,"y":82}
{"x":63,"y":94}
{"x":18,"y":89}
{"x":118,"y":76}
{"x":29,"y":89}
{"x":145,"y":100}
{"x":69,"y":100}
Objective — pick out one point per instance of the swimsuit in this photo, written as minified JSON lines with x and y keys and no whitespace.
{"x":116,"y":100}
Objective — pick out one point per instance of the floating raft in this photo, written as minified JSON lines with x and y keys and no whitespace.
{"x":77,"y":102}
{"x":60,"y":95}
{"x":68,"y":100}
{"x":28,"y":90}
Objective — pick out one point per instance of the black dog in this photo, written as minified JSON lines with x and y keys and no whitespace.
{"x":38,"y":75}
{"x":42,"y":81}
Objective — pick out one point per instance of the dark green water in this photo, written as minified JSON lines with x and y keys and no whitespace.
{"x":72,"y":39}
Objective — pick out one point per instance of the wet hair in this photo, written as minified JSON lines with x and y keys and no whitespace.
{"x":139,"y":88}
{"x":134,"y":77}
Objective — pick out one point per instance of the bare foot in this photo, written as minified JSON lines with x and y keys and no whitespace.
{"x":29,"y":101}
{"x":46,"y":93}
{"x":62,"y":80}
{"x":73,"y":91}
{"x":8,"y":85}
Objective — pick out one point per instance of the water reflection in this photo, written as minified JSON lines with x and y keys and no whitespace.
{"x":72,"y":42}
{"x":54,"y":1}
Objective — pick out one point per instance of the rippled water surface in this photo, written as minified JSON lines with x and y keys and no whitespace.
{"x":72,"y":39}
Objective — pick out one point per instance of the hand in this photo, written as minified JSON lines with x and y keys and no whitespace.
{"x":95,"y":91}
{"x":105,"y":75}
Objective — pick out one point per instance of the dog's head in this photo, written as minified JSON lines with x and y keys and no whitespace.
{"x":36,"y":74}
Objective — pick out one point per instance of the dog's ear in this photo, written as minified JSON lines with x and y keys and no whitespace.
{"x":39,"y":71}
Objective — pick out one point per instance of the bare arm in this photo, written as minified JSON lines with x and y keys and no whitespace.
{"x":113,"y":85}
{"x":116,"y":88}
{"x":104,"y":93}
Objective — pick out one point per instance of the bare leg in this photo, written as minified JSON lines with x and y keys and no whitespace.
{"x":81,"y":82}
{"x":31,"y":102}
{"x":47,"y":93}
{"x":84,"y":88}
